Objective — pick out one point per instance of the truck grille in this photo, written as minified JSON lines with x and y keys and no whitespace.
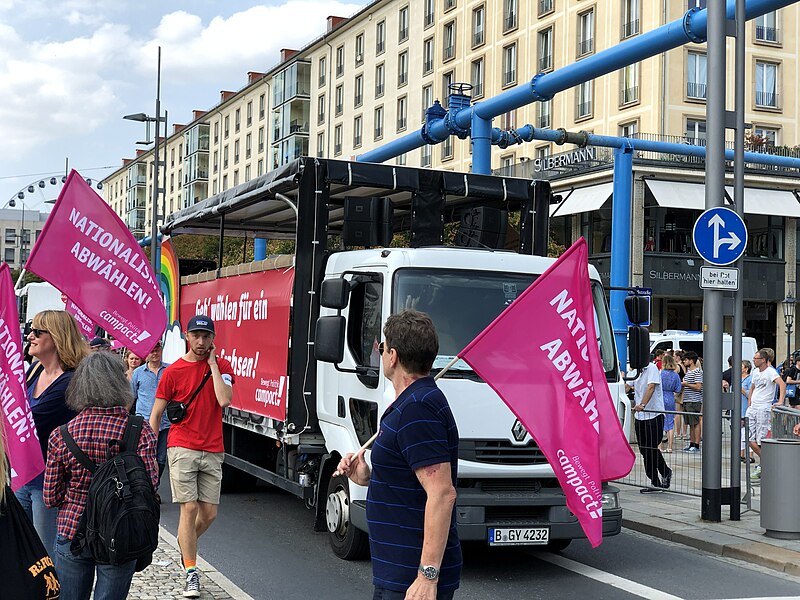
{"x":501,"y":452}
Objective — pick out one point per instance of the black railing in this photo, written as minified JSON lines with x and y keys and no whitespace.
{"x":404,"y":34}
{"x":448,"y":52}
{"x":339,"y":109}
{"x":510,"y":22}
{"x":696,"y":90}
{"x":585,"y":46}
{"x":379,"y":90}
{"x":477,"y":38}
{"x":448,"y":4}
{"x":356,"y":140}
{"x":477,"y":90}
{"x":402,"y":78}
{"x":401,"y":123}
{"x":509,"y":77}
{"x":543,"y":121}
{"x":545,"y":6}
{"x":358,"y":100}
{"x":583,"y":109}
{"x":380,"y":46}
{"x":339,"y":70}
{"x":630,"y":28}
{"x":379,"y":132}
{"x":429,"y":18}
{"x":427,"y":66}
{"x":546,"y":62}
{"x":767,"y":34}
{"x":337,"y":148}
{"x":320,"y":82}
{"x":767,"y":99}
{"x":628,"y":95}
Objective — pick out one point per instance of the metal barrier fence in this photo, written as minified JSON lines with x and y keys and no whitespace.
{"x":784,"y":420}
{"x":687,"y":467}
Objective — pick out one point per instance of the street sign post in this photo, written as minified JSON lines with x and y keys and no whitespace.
{"x":719,"y":278}
{"x":720,"y":236}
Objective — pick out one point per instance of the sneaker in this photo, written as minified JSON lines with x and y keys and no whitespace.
{"x":692,"y":450}
{"x":687,"y":449}
{"x":192,"y":587}
{"x":650,"y":491}
{"x":667,"y":480}
{"x":756,"y":474}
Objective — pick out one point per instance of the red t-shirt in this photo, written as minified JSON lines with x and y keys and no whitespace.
{"x":201,"y":429}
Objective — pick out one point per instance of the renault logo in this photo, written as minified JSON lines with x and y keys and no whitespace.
{"x":518,"y":431}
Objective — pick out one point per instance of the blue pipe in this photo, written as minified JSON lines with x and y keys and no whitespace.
{"x":259,"y":249}
{"x":481,"y":140}
{"x":621,"y":244}
{"x":692,"y":27}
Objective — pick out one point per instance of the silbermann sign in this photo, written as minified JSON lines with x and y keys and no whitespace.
{"x":564,"y":159}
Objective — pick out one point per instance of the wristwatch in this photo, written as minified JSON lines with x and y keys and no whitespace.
{"x":430,"y":572}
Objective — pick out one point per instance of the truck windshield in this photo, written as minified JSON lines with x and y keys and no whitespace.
{"x":463,"y":303}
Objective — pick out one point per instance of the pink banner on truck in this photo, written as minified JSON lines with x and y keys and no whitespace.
{"x":19,"y":432}
{"x":251,"y":319}
{"x":87,"y":252}
{"x":541,"y":357}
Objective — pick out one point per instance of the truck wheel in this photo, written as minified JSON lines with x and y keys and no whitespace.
{"x":557,"y":545}
{"x":347,"y":542}
{"x":234,"y":480}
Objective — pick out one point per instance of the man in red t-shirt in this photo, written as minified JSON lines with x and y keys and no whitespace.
{"x":194,"y":445}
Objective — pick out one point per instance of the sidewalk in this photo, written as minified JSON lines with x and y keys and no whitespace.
{"x":676,"y":517}
{"x":165,"y":577}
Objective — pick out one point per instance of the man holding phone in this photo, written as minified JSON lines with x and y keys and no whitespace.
{"x":202,"y":381}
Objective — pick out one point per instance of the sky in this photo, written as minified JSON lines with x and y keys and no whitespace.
{"x":70,"y":69}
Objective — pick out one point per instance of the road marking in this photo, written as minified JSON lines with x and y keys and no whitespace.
{"x":625,"y":585}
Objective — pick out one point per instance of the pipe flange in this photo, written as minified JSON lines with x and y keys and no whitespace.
{"x":427,"y":137}
{"x":583,"y":139}
{"x":562,"y":136}
{"x":687,"y":26}
{"x":450,"y":122}
{"x":536,"y":94}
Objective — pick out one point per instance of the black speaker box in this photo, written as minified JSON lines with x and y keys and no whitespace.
{"x":367,"y":221}
{"x":482,"y":227}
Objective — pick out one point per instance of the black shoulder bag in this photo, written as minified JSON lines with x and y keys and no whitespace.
{"x":176,"y":411}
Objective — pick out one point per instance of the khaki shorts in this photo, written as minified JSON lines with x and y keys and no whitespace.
{"x":194,"y":475}
{"x":692,"y":407}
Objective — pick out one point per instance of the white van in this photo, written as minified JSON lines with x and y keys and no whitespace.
{"x":677,"y":339}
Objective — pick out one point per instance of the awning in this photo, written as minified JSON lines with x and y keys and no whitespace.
{"x":583,"y":200}
{"x":777,"y":203}
{"x":677,"y":194}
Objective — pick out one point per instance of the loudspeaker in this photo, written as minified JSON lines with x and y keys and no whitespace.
{"x":367,"y":221}
{"x":482,"y":227}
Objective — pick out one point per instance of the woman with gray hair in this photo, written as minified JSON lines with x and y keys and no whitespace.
{"x":101,"y":394}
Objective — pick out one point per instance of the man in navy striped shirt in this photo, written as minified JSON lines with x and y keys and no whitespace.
{"x":411,"y":500}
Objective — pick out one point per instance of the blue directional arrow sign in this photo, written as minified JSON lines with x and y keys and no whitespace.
{"x":720,"y":236}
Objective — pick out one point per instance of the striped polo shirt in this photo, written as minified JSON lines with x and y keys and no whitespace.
{"x":417,"y":430}
{"x":693,"y":376}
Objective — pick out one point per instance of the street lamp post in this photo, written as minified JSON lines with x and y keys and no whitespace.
{"x":788,"y":319}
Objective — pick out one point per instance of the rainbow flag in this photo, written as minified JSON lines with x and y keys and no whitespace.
{"x":170,"y":281}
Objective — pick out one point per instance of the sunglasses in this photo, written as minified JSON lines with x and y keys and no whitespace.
{"x":38,"y":332}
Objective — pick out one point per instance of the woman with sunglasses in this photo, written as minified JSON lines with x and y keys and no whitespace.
{"x":57,"y":347}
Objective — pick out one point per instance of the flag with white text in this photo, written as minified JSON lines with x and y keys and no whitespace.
{"x":19,"y":431}
{"x":541,"y":356}
{"x":87,"y":252}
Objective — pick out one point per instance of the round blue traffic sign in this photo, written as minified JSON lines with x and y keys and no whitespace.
{"x":720,"y":236}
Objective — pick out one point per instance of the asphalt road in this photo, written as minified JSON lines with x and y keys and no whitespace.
{"x":264,"y":543}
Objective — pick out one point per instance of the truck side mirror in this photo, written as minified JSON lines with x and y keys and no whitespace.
{"x":638,"y":347}
{"x":334,"y":293}
{"x":638,"y":309}
{"x":329,"y":339}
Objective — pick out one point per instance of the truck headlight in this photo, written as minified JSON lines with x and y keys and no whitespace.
{"x":610,"y":500}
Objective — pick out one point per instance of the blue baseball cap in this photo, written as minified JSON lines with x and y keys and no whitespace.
{"x":200,"y":323}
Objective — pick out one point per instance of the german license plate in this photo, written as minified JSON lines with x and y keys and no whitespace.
{"x":525,"y":536}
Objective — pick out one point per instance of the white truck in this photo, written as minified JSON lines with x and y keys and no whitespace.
{"x":293,"y":415}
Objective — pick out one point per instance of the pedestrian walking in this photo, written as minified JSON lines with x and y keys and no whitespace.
{"x":144,"y":384}
{"x":681,"y":427}
{"x":415,"y":548}
{"x":693,"y":400}
{"x":649,"y":424}
{"x":766,"y":384}
{"x":58,"y":348}
{"x":670,"y":384}
{"x":194,"y":444}
{"x":747,"y":381}
{"x":101,"y":394}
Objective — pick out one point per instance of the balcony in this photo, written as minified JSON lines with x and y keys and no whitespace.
{"x":696,"y":90}
{"x":766,"y":99}
{"x":585,"y":46}
{"x":545,"y":6}
{"x":629,"y":95}
{"x":509,"y":22}
{"x":546,"y":62}
{"x":630,"y":29}
{"x":767,"y":34}
{"x":448,"y":52}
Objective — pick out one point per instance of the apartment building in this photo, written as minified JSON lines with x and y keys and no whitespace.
{"x":20,"y":230}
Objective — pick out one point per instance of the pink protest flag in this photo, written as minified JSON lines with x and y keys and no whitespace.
{"x":87,"y":252}
{"x":541,"y":357}
{"x":85,"y":324}
{"x":19,"y":432}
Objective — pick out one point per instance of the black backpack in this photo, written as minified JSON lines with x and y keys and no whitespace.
{"x":120,"y":520}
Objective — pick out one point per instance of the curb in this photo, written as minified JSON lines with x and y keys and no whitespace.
{"x":208,"y":570}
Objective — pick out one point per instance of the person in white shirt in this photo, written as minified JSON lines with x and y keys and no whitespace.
{"x":650,"y":425}
{"x":759,"y":400}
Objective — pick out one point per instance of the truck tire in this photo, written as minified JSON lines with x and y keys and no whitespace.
{"x":347,"y":542}
{"x":236,"y":481}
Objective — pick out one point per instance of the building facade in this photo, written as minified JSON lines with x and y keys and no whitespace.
{"x":20,"y":230}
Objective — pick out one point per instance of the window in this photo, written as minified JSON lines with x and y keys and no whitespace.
{"x":696,"y":132}
{"x":585,"y":33}
{"x":545,"y":6}
{"x":402,"y":69}
{"x":337,"y":140}
{"x":320,"y":145}
{"x":767,"y":28}
{"x":764,"y":136}
{"x":216,"y":137}
{"x":427,"y":99}
{"x":236,"y":152}
{"x":425,"y":156}
{"x":427,"y":56}
{"x":321,"y":110}
{"x":248,"y":145}
{"x":697,"y":4}
{"x":449,"y":50}
{"x":509,"y":15}
{"x":224,"y":182}
{"x":447,"y":148}
{"x":359,"y":49}
{"x":379,"y":123}
{"x":510,"y":64}
{"x":583,"y":100}
{"x":542,"y":152}
{"x":543,"y":114}
{"x":339,"y":109}
{"x":238,"y":119}
{"x":249,"y":113}
{"x":478,"y":26}
{"x":358,"y":96}
{"x":364,"y":332}
{"x":236,"y":177}
{"x":430,"y":12}
{"x":9,"y":255}
{"x":630,"y":18}
{"x":476,"y":78}
{"x":629,"y":85}
{"x":449,"y":5}
{"x":340,"y":61}
{"x":260,"y":139}
{"x":447,"y":80}
{"x":696,"y":75}
{"x":262,"y":102}
{"x":629,"y":130}
{"x":401,"y":160}
{"x":247,"y":173}
{"x":545,"y":49}
{"x":323,"y":68}
{"x":402,"y":34}
{"x":766,"y":85}
{"x":225,"y":157}
{"x":380,"y":37}
{"x":402,"y":113}
{"x":216,"y":161}
{"x":260,"y":167}
{"x":357,"y":130}
{"x":508,"y":120}
{"x":227,"y":127}
{"x":380,"y":75}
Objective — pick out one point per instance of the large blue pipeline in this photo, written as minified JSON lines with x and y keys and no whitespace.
{"x":462,"y":120}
